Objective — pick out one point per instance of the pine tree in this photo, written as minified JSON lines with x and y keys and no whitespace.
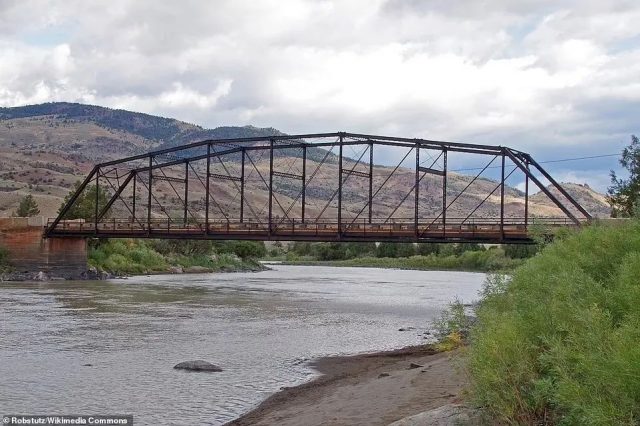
{"x":28,"y":207}
{"x":84,"y":205}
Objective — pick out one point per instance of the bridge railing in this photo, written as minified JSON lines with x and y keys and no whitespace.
{"x":477,"y":228}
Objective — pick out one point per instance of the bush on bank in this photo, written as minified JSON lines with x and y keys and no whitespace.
{"x":559,"y":344}
{"x":130,"y":256}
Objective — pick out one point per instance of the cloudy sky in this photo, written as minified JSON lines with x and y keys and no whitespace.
{"x":559,"y":79}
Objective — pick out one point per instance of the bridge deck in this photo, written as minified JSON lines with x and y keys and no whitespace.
{"x":485,"y":231}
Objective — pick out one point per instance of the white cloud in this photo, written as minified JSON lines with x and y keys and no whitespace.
{"x":553,"y":78}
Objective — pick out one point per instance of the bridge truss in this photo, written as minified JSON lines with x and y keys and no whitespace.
{"x":319,"y":187}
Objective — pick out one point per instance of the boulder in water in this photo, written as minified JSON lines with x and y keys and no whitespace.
{"x":197,"y":365}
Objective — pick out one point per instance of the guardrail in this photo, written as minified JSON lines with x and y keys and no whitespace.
{"x":397,"y":229}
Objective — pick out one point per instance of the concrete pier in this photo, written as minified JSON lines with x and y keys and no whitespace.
{"x":30,"y":253}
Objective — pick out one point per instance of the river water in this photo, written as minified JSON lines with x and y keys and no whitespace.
{"x":261,"y":328}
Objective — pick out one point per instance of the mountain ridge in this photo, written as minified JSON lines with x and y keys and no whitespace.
{"x":47,"y":147}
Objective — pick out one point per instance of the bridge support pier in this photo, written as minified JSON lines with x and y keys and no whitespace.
{"x":30,"y":254}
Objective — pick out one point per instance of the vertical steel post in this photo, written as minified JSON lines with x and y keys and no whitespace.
{"x":242,"y":188}
{"x":95,"y":222}
{"x":186,"y":190}
{"x":135,"y":175}
{"x":340,"y":190}
{"x":149,"y":195}
{"x":370,"y":182}
{"x":270,"y":185}
{"x":417,"y":189}
{"x":526,"y":197}
{"x":444,"y":192}
{"x":304,"y":180}
{"x":206,"y":184}
{"x":502,"y":200}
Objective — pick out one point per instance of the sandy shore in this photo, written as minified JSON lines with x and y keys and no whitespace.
{"x":370,"y":389}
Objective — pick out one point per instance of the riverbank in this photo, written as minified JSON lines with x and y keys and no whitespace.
{"x":472,"y":262}
{"x":369,"y":389}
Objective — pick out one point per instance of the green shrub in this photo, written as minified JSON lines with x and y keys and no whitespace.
{"x":558,"y":344}
{"x":126,"y":257}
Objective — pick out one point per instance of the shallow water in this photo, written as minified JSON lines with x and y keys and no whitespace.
{"x":261,"y":328}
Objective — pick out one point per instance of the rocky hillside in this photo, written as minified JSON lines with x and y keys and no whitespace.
{"x":45,"y":149}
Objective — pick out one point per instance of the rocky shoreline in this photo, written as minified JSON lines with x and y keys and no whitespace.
{"x":93,"y":274}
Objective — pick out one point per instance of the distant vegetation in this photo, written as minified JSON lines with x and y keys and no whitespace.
{"x":130,"y":256}
{"x":558,"y":344}
{"x":470,"y":257}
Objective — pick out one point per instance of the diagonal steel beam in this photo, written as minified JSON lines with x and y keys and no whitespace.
{"x":539,"y":184}
{"x":116,"y":195}
{"x":413,"y":188}
{"x":487,"y":197}
{"x":460,"y":193}
{"x":559,"y":187}
{"x":71,"y":201}
{"x":382,"y":185}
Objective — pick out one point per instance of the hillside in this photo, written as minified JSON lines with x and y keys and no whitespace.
{"x":45,"y":149}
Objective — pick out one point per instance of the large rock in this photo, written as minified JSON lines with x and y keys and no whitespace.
{"x":197,"y":365}
{"x":90,"y":274}
{"x":447,"y":415}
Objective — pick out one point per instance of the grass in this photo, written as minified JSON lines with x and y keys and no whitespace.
{"x":481,"y":261}
{"x":559,"y":343}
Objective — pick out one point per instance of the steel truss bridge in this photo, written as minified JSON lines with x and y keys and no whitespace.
{"x":320,"y":187}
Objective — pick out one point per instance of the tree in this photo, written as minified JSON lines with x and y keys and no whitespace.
{"x":623,"y":194}
{"x":84,"y":206}
{"x":28,"y":207}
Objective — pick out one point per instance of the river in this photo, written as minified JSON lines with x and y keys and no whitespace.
{"x":261,"y":328}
